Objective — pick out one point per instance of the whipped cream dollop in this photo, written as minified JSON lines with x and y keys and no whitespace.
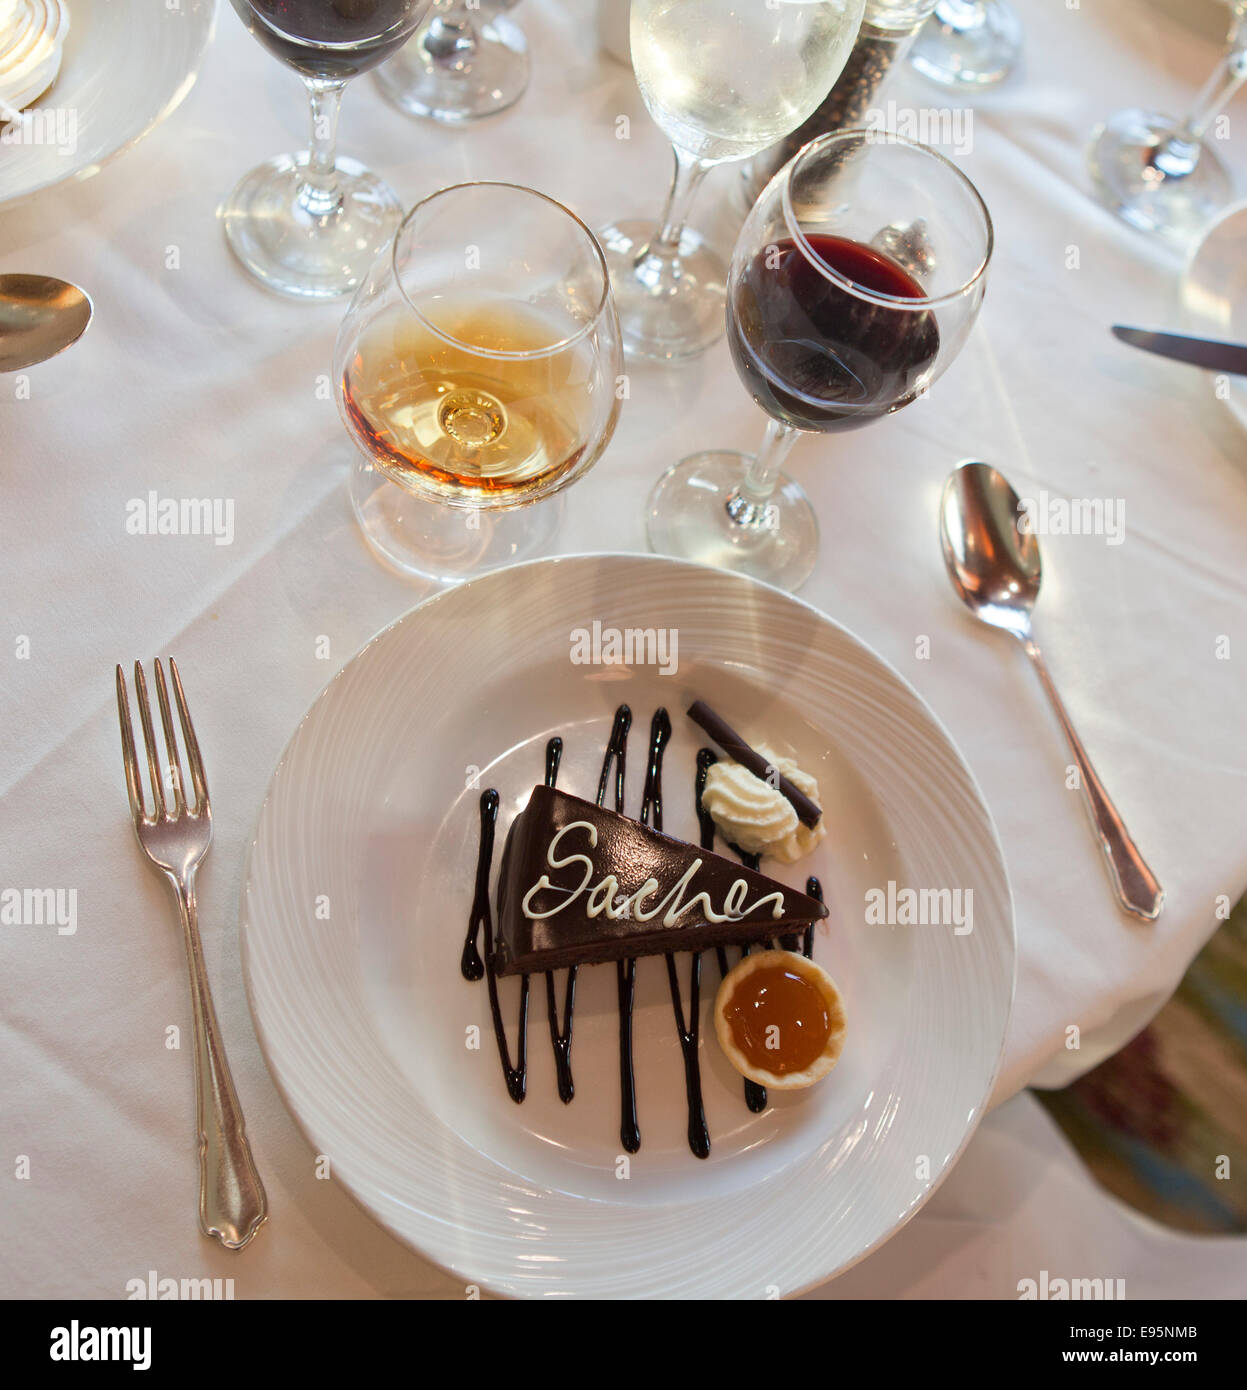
{"x":32,"y":36}
{"x":756,"y":816}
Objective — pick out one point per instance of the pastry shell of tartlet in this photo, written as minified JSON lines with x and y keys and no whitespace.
{"x":827,"y":988}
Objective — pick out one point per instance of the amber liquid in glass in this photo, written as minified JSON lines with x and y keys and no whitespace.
{"x":477,"y":406}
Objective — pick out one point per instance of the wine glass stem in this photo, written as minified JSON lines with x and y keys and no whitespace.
{"x":318,"y":193}
{"x":1220,"y":87}
{"x":450,"y":38}
{"x":689,"y":172}
{"x":748,"y":505}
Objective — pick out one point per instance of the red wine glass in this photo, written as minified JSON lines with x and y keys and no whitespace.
{"x":310,"y":225}
{"x":855,"y":281}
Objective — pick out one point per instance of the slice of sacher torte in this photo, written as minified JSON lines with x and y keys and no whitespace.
{"x":580,"y":884}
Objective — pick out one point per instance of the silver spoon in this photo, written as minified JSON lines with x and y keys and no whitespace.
{"x":995,"y":569}
{"x":39,"y":317}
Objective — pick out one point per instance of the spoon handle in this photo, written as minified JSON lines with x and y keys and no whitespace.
{"x":1134,"y":884}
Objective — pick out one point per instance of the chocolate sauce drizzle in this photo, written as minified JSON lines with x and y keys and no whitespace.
{"x":813,"y":889}
{"x":688,"y":1032}
{"x":755,"y":1095}
{"x":688,"y":1029}
{"x":560,"y":1036}
{"x":625,"y":970}
{"x":516,"y":1076}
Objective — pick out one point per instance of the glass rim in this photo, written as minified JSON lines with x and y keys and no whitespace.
{"x":845,"y":282}
{"x":502,"y":353}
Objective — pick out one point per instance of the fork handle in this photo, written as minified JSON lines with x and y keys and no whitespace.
{"x":232,"y":1201}
{"x":1135,"y":886}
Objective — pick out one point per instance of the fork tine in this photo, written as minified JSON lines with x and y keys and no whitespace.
{"x":149,"y":738}
{"x":191,"y":743}
{"x":171,"y":743}
{"x":134,"y":783}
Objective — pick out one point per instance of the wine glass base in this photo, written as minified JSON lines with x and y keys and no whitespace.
{"x":1150,"y":188}
{"x":687,"y":516}
{"x":669,"y":310}
{"x":278,"y":232}
{"x":465,"y":82}
{"x":429,"y":540}
{"x":976,"y":55}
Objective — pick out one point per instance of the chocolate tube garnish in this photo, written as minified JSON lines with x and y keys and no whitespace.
{"x":737,"y":749}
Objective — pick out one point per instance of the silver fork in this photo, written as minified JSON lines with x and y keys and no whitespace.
{"x":232,"y":1204}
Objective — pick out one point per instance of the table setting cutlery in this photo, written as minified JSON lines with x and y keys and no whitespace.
{"x":175,"y":834}
{"x":995,"y":569}
{"x":1208,"y":353}
{"x":40,"y":316}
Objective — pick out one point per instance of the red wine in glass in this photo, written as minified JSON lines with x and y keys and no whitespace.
{"x":331,"y":39}
{"x":815,"y":355}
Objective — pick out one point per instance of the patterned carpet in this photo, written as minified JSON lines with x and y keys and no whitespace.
{"x":1163,"y":1123}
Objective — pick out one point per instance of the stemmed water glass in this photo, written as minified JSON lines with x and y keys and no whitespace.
{"x":723,"y":79}
{"x":465,"y":61}
{"x":855,"y":281}
{"x":479,"y":371}
{"x":968,"y":43}
{"x":309,"y":225}
{"x":1160,"y":174}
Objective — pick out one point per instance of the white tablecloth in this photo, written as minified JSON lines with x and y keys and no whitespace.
{"x":195,"y":382}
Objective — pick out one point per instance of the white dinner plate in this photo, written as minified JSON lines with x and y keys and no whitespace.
{"x":126,"y":65}
{"x":358,"y":893}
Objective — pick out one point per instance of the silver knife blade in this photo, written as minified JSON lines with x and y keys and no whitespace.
{"x":1214,"y":356}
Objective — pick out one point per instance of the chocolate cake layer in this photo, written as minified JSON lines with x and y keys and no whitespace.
{"x":580,"y":884}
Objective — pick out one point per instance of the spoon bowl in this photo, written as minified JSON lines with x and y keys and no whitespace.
{"x":39,"y":317}
{"x":991,"y":554}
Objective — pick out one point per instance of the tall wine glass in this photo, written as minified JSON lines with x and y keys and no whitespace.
{"x":309,"y":225}
{"x":478,"y":369}
{"x":467,"y":60}
{"x":855,"y":281}
{"x":1160,"y":174}
{"x":968,"y":43}
{"x":723,"y":79}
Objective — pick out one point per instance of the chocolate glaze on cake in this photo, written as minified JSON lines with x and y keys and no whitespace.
{"x":581,"y":884}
